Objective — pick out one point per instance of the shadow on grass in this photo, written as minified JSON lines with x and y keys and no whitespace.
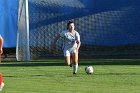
{"x":81,"y":62}
{"x":24,"y":64}
{"x":118,"y":74}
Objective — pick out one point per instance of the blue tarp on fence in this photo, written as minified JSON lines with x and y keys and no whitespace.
{"x":8,"y":22}
{"x":127,"y":28}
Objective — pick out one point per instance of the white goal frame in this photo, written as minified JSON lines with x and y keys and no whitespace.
{"x":23,"y":32}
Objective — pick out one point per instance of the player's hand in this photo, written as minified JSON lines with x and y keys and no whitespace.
{"x":77,"y":49}
{"x":1,"y":51}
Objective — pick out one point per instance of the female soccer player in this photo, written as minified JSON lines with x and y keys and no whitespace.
{"x":1,"y":51}
{"x":71,"y":45}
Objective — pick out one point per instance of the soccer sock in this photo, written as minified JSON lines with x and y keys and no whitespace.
{"x":0,"y":79}
{"x":75,"y":68}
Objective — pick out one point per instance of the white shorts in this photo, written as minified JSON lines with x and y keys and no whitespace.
{"x":68,"y":52}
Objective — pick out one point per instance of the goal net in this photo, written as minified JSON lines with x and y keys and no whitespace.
{"x":106,"y":28}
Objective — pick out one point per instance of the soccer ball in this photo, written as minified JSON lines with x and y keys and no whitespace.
{"x":89,"y":69}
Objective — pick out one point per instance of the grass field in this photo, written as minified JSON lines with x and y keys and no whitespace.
{"x":52,"y":76}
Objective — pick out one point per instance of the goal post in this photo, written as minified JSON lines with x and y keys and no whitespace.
{"x":22,"y":47}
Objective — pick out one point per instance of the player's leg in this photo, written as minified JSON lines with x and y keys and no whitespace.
{"x":1,"y":82}
{"x":67,"y":60}
{"x":67,"y":57}
{"x":75,"y":61}
{"x":0,"y":79}
{"x":71,"y":62}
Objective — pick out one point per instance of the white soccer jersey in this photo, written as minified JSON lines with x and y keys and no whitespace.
{"x":69,"y":39}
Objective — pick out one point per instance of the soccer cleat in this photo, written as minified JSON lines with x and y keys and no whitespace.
{"x":74,"y":73}
{"x":1,"y":86}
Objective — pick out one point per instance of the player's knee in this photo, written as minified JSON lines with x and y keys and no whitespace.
{"x":75,"y":61}
{"x":67,"y":63}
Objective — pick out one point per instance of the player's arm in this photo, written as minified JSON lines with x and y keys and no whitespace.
{"x":55,"y":40}
{"x":78,"y":44}
{"x":1,"y":44}
{"x":78,"y":41}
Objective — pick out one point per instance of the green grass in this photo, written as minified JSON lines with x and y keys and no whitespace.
{"x":51,"y":76}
